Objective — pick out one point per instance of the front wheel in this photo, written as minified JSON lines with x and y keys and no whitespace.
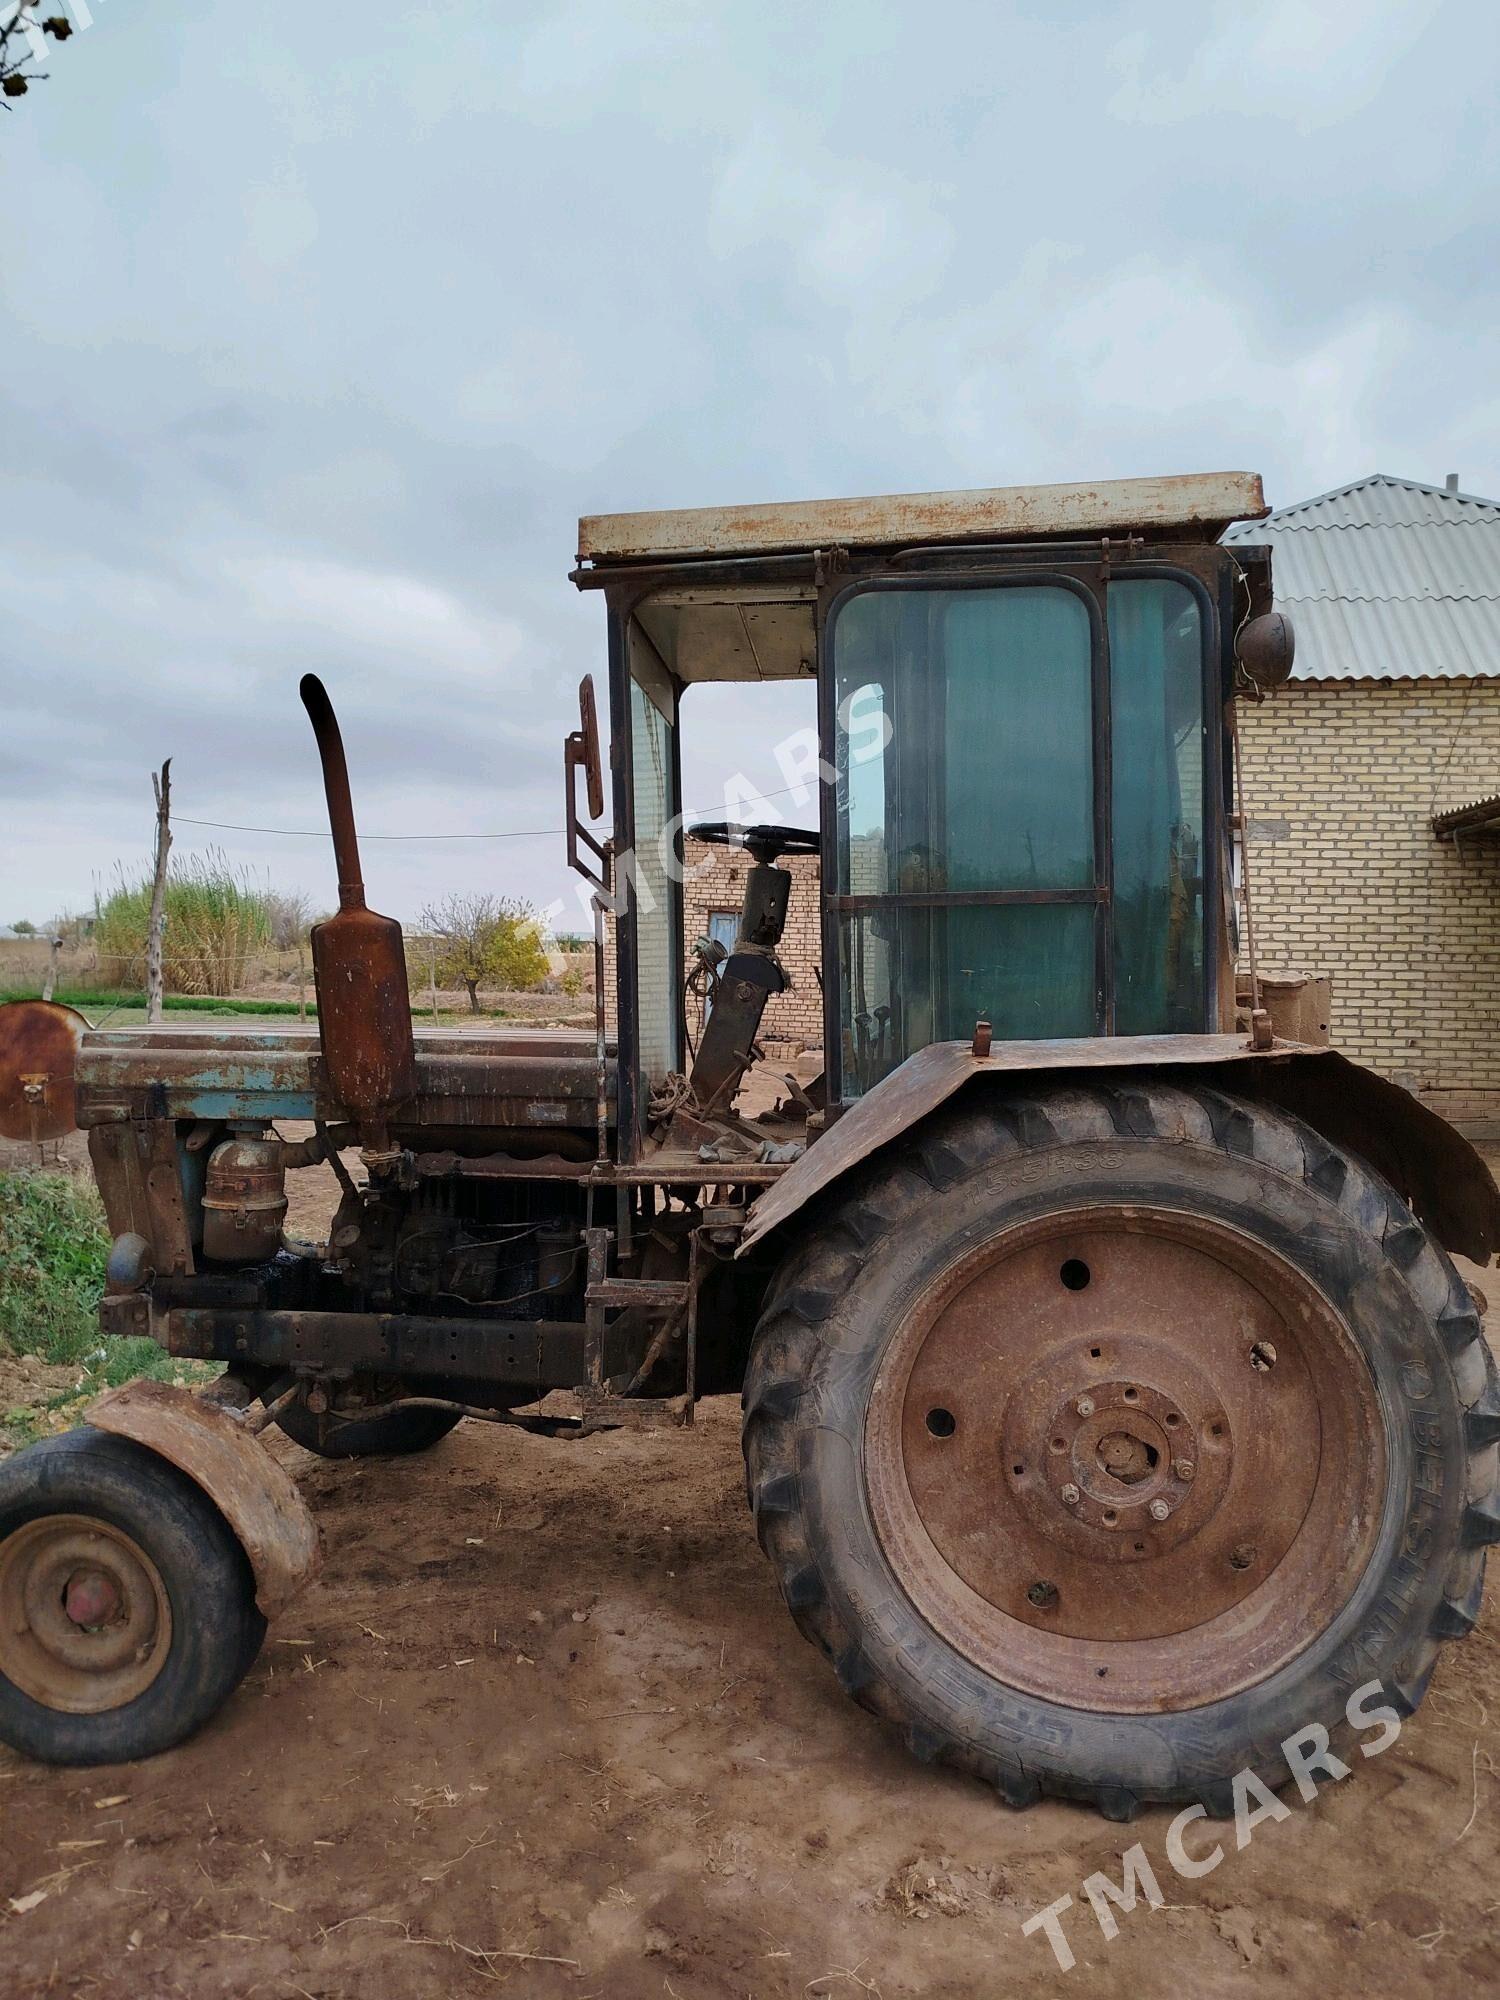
{"x":394,"y":1434}
{"x":127,"y":1607}
{"x":1107,"y":1438}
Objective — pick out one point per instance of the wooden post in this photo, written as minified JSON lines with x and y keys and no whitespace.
{"x":301,"y":981}
{"x":49,"y":984}
{"x":162,"y":787}
{"x":432,"y":975}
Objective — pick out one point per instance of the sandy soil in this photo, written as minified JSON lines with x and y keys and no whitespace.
{"x":545,"y":1725}
{"x":26,"y":1383}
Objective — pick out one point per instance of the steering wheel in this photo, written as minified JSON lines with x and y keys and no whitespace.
{"x":764,"y":843}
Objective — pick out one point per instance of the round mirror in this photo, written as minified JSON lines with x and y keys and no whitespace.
{"x":1265,"y":647}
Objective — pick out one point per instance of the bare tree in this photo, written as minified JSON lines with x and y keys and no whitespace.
{"x":23,"y":44}
{"x":290,"y":914}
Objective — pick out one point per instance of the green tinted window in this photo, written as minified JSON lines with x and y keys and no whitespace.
{"x":965,"y":755}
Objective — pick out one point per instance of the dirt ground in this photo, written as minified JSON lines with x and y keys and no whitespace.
{"x":545,"y":1726}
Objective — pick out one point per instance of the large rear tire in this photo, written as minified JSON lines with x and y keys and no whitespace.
{"x":1107,"y":1437}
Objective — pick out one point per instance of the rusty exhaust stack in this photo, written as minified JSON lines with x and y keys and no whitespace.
{"x":359,"y":962}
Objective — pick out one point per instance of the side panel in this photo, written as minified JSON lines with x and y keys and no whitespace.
{"x":1432,"y":1166}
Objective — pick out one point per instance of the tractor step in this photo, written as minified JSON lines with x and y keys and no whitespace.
{"x":600,"y":1411}
{"x":637,"y":1292}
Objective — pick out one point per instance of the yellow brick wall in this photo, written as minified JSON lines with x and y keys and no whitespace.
{"x":1341,"y":782}
{"x":716,"y":881}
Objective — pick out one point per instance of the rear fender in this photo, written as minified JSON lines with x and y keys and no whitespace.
{"x":251,"y":1490}
{"x":1431,"y":1165}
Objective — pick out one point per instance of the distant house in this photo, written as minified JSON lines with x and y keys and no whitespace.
{"x":1373,"y":778}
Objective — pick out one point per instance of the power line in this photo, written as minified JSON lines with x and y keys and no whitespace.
{"x":321,"y":832}
{"x":516,"y":833}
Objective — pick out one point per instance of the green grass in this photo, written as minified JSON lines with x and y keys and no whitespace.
{"x":53,"y":1243}
{"x":99,"y":1002}
{"x":122,"y":1007}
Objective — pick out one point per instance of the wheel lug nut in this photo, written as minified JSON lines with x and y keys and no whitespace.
{"x":1042,"y":1595}
{"x":1242,"y":1556}
{"x":1158,"y":1510}
{"x":1069,"y":1495}
{"x":1085,"y":1406}
{"x":1183,"y":1467}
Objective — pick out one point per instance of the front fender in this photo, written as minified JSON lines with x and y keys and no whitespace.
{"x":1431,"y":1165}
{"x":254,"y":1493}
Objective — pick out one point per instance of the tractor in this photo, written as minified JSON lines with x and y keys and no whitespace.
{"x":1113,"y":1409}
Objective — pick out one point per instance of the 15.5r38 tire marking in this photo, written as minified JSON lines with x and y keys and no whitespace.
{"x":1415,"y":1367}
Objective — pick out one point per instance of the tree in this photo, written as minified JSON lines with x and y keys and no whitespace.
{"x":23,"y":44}
{"x":486,"y":940}
{"x":290,"y":914}
{"x":24,"y":928}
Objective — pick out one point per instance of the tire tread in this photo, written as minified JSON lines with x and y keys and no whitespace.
{"x":890,"y":1196}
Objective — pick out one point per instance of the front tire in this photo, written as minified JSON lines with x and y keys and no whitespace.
{"x":396,"y":1434}
{"x":1108,"y":1436}
{"x":127,"y":1607}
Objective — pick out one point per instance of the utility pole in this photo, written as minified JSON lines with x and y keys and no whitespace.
{"x":162,"y":787}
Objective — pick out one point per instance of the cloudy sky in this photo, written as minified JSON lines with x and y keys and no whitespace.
{"x":325,"y":323}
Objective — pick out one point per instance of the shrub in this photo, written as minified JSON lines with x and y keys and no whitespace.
{"x":216,"y":919}
{"x":53,"y":1244}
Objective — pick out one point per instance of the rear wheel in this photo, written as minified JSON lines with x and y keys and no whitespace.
{"x":1110,"y":1436}
{"x":127,"y":1607}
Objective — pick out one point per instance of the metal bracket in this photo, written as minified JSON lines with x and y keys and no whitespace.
{"x":1129,"y":551}
{"x":601,"y":1410}
{"x":596,"y":1269}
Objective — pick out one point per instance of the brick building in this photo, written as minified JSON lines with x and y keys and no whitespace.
{"x":712,"y":894}
{"x":1359,"y":864}
{"x":711,"y":899}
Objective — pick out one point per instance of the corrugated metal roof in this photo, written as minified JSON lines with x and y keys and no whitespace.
{"x":1478,"y":816}
{"x":1387,"y":579}
{"x":1394,"y":638}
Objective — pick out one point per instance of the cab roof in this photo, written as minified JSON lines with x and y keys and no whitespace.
{"x":1190,"y":506}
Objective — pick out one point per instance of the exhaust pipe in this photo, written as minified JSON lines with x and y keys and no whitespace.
{"x":359,"y":962}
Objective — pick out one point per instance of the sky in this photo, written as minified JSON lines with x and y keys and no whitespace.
{"x":323,"y":326}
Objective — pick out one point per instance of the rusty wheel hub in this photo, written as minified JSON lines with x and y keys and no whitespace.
{"x":85,"y":1623}
{"x":1123,"y":1458}
{"x":1128,"y":1459}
